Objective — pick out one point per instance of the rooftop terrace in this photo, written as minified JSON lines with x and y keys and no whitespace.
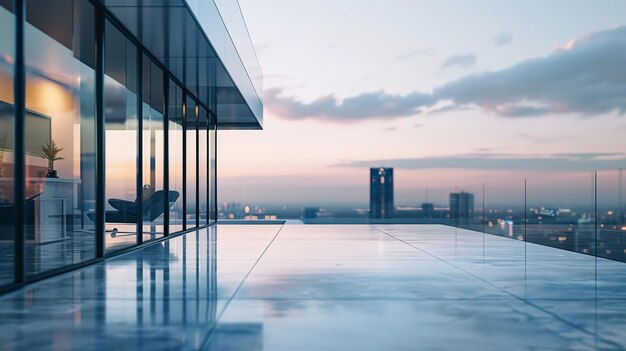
{"x":327,"y":287}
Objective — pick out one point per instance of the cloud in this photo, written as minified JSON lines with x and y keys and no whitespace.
{"x":390,"y":129}
{"x":585,"y":77}
{"x":496,"y":161}
{"x":448,"y":108}
{"x":459,"y":60}
{"x":502,"y":39}
{"x":364,"y":106}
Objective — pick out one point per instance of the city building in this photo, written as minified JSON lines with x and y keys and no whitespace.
{"x":381,"y":193}
{"x":109,"y":114}
{"x":462,"y":205}
{"x":310,"y":212}
{"x":428,"y":209}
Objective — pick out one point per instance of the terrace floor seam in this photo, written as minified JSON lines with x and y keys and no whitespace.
{"x":524,"y":300}
{"x":210,"y":332}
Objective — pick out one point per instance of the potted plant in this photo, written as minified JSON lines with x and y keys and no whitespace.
{"x":50,"y":152}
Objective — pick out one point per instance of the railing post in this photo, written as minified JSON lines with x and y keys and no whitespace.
{"x":595,"y":214}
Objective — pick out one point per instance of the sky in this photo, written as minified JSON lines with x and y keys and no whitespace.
{"x":446,"y":92}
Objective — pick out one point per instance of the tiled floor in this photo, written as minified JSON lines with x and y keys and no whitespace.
{"x":327,"y":287}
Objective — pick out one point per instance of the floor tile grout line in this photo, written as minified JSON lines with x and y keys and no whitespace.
{"x":554,"y":315}
{"x":232,"y":297}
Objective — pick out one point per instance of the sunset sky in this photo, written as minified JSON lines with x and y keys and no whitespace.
{"x":447,"y":92}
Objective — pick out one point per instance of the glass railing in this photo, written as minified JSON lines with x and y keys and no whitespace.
{"x":580,"y":212}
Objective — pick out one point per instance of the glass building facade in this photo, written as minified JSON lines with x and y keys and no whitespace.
{"x":108,"y":127}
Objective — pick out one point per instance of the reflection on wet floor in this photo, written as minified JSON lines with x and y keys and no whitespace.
{"x":327,"y":287}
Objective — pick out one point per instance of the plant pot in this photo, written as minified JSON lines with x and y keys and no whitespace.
{"x":52,"y":174}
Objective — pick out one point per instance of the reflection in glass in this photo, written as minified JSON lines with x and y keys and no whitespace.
{"x":153,"y":196}
{"x":175,"y":150}
{"x":175,"y":286}
{"x":60,"y":133}
{"x":120,"y":113}
{"x":7,"y":123}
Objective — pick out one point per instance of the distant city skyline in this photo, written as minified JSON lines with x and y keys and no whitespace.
{"x":346,"y":94}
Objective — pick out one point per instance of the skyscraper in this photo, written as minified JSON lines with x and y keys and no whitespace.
{"x":381,"y":193}
{"x":461,"y":205}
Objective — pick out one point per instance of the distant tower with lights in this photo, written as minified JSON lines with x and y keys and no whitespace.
{"x":381,"y":192}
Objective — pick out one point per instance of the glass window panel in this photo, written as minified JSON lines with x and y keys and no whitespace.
{"x":191,"y":165}
{"x":203,"y":162}
{"x":611,"y":220}
{"x":561,"y":212}
{"x":60,"y":133}
{"x":7,"y":123}
{"x":120,"y":113}
{"x":212,"y":169}
{"x":154,"y":198}
{"x":175,"y":150}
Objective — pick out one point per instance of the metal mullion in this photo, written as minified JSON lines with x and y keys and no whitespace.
{"x":166,"y":155}
{"x":139,"y":160}
{"x":215,"y":211}
{"x":197,"y":112}
{"x":19,"y":174}
{"x":208,"y":168}
{"x":184,"y":141}
{"x":100,"y":135}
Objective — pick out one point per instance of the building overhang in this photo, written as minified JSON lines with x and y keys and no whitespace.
{"x":192,"y":41}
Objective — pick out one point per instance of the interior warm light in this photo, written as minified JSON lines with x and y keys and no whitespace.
{"x":47,"y":97}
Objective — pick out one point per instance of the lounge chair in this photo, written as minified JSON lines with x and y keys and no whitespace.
{"x":126,"y":211}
